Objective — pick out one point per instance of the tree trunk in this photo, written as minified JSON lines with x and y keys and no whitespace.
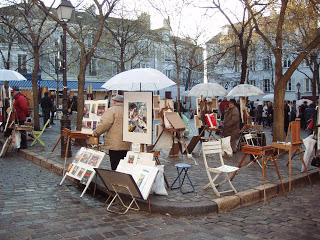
{"x":35,"y":71}
{"x":81,"y":82}
{"x":315,"y":78}
{"x":278,"y":107}
{"x":244,"y":65}
{"x":122,"y":65}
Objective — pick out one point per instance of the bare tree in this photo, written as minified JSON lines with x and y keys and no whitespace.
{"x":89,"y":23}
{"x":243,"y":30}
{"x":128,"y":40}
{"x":34,"y":28}
{"x":276,"y":43}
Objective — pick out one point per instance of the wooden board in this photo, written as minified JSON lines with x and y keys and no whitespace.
{"x":175,"y":120}
{"x":193,"y":143}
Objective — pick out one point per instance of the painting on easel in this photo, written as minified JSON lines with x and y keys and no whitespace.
{"x":137,"y":122}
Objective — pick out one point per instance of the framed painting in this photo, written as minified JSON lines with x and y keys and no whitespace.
{"x":137,"y":117}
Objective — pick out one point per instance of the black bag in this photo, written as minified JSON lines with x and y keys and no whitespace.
{"x":315,"y":161}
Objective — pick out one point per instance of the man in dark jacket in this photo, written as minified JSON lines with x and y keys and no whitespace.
{"x":21,"y":107}
{"x":46,"y":105}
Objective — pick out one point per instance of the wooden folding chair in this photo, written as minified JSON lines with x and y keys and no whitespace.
{"x":37,"y":135}
{"x":249,"y":138}
{"x":214,"y":147}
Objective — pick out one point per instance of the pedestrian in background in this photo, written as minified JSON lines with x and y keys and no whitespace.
{"x":54,"y":107}
{"x":110,"y":125}
{"x":47,"y":107}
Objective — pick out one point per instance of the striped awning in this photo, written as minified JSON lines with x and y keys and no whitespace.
{"x":52,"y":85}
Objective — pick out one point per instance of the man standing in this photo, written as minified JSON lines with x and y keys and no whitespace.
{"x":46,"y":105}
{"x":111,"y":124}
{"x":21,"y":107}
{"x":231,"y":124}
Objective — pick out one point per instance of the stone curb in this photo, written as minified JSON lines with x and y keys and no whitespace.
{"x":219,"y":205}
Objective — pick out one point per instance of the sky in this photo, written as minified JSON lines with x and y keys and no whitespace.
{"x":186,"y":21}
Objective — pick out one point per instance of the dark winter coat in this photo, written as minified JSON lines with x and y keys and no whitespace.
{"x":231,"y":123}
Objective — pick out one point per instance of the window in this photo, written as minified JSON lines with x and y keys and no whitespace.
{"x":236,"y":66}
{"x":22,"y":63}
{"x":266,"y":85}
{"x":252,"y":82}
{"x":308,"y":88}
{"x":168,"y":73}
{"x":266,"y":64}
{"x":286,"y":62}
{"x":252,"y":65}
{"x":289,"y":85}
{"x":167,"y":56}
{"x":93,"y":67}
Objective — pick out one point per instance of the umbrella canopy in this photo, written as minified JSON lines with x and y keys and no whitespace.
{"x":301,"y":101}
{"x":139,"y":79}
{"x":270,"y":97}
{"x":245,"y":90}
{"x":207,"y":90}
{"x":10,"y":75}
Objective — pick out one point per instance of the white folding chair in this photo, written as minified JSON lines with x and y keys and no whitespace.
{"x":214,"y":148}
{"x":249,"y":137}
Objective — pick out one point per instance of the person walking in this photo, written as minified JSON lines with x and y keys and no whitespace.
{"x":286,"y":117}
{"x":231,"y":124}
{"x":110,"y":125}
{"x":46,"y":106}
{"x":21,"y":108}
{"x":53,"y":109}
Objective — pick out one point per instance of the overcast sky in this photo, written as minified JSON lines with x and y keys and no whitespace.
{"x":192,"y":19}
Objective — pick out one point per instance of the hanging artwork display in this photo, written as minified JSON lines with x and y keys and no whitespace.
{"x":137,"y":122}
{"x":82,"y":167}
{"x":92,"y":113}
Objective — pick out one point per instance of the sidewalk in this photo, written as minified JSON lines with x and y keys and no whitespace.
{"x":247,"y":182}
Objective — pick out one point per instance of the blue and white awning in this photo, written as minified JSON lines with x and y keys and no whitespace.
{"x":53,"y":85}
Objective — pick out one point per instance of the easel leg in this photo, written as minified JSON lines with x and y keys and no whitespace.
{"x":239,"y":166}
{"x":65,"y":156}
{"x":56,"y":144}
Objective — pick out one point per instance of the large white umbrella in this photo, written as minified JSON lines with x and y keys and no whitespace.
{"x":139,"y":79}
{"x":10,"y":75}
{"x":270,"y":97}
{"x":245,"y":90}
{"x":207,"y":90}
{"x":301,"y":101}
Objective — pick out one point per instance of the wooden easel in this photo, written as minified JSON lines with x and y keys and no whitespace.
{"x":293,"y":147}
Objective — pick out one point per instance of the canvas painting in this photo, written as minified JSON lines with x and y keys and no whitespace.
{"x":86,"y":110}
{"x":137,"y":126}
{"x":82,"y":167}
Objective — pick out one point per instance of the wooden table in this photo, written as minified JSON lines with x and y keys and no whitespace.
{"x":265,"y":153}
{"x":291,"y":148}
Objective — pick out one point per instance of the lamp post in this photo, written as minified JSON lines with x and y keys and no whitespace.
{"x":298,"y":88}
{"x":64,"y":12}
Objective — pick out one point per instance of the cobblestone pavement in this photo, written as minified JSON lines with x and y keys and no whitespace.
{"x":33,"y":206}
{"x":247,"y":178}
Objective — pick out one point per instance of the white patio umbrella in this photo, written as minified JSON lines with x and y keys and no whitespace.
{"x":139,"y":79}
{"x":301,"y":101}
{"x":245,"y":90}
{"x":207,"y":90}
{"x":270,"y":97}
{"x":10,"y":75}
